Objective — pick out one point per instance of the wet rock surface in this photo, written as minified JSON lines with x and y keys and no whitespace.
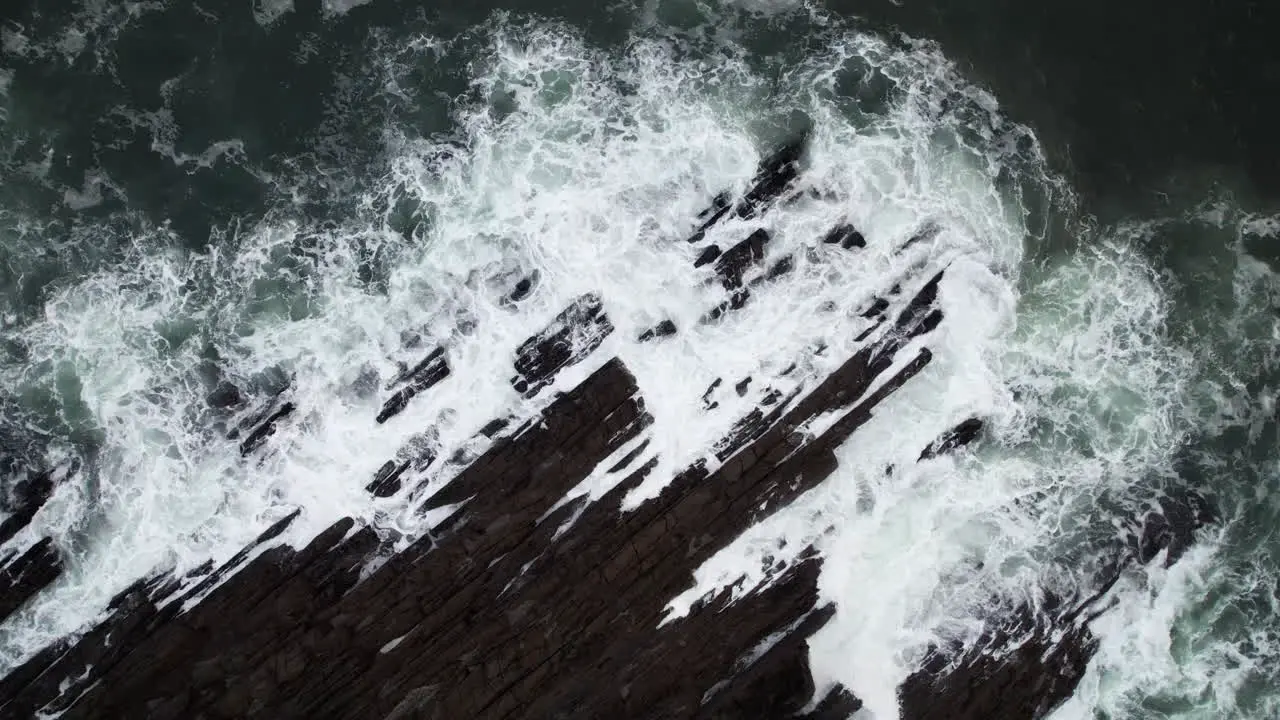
{"x":28,"y":567}
{"x":776,"y":174}
{"x":521,"y":605}
{"x":572,"y":335}
{"x":846,"y":236}
{"x":257,"y":426}
{"x":426,"y":374}
{"x":25,"y":573}
{"x":522,"y":601}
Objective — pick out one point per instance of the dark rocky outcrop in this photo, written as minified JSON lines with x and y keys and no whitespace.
{"x":1024,"y":666}
{"x":387,"y":482}
{"x":663,"y":329}
{"x":708,"y":254}
{"x":505,"y":610}
{"x":418,"y":454}
{"x":524,"y":602}
{"x":522,"y":289}
{"x":1171,"y":524}
{"x":25,"y":571}
{"x":24,"y":574}
{"x":953,"y":439}
{"x":575,"y":333}
{"x":846,"y":236}
{"x":778,"y":171}
{"x":26,"y":497}
{"x":926,"y":233}
{"x":734,"y":263}
{"x":429,"y":371}
{"x":260,"y":424}
{"x":225,"y":395}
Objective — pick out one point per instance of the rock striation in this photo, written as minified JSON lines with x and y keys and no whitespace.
{"x":27,"y":567}
{"x":524,"y":601}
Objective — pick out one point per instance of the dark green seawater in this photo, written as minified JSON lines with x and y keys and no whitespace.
{"x":195,"y":192}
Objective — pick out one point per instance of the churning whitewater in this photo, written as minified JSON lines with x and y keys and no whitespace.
{"x":584,"y":165}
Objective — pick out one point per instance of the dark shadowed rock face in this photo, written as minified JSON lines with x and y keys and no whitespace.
{"x":846,"y":236}
{"x":776,"y":174}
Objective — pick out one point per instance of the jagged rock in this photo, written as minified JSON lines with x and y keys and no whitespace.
{"x":847,"y":236}
{"x":957,"y":437}
{"x":928,"y":232}
{"x":575,"y":333}
{"x":387,"y":482}
{"x":224,"y":396}
{"x":630,"y":457}
{"x":418,"y":453}
{"x":1022,"y":668}
{"x":426,"y":374}
{"x":878,"y":305}
{"x":718,"y":203}
{"x":783,"y":266}
{"x":733,"y":264}
{"x":22,"y":575}
{"x":1171,"y":524}
{"x":266,"y":429}
{"x":261,"y":424}
{"x":707,"y":402}
{"x":493,"y":427}
{"x":709,"y":253}
{"x":837,"y":704}
{"x":496,"y":613}
{"x":25,"y":499}
{"x":509,"y":608}
{"x":663,"y":329}
{"x":26,"y":571}
{"x":777,"y":172}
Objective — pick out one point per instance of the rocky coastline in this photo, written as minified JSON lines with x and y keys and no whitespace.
{"x":516,"y":607}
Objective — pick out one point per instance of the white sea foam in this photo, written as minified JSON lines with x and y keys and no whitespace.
{"x":589,"y":168}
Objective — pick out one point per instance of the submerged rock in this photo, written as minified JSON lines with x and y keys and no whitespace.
{"x":522,"y":289}
{"x":663,"y":329}
{"x":777,"y":173}
{"x":955,"y":438}
{"x":260,"y":424}
{"x":25,"y":499}
{"x":846,"y":236}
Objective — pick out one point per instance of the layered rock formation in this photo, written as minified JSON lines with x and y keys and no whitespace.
{"x":522,"y":604}
{"x":27,"y":567}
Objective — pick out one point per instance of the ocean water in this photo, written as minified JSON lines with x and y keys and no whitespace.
{"x":309,"y":195}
